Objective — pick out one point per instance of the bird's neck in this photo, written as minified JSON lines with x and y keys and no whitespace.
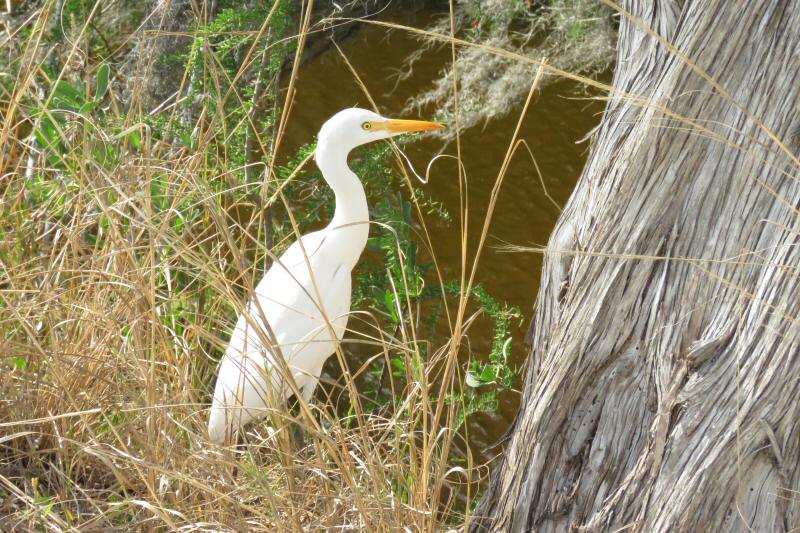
{"x":350,"y":223}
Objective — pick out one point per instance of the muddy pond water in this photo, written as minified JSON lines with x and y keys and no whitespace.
{"x":559,"y":116}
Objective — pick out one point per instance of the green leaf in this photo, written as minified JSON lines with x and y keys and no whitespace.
{"x":135,"y":139}
{"x":88,"y":107}
{"x":488,"y":375}
{"x":186,"y":139}
{"x":400,"y":367}
{"x":101,"y":87}
{"x":389,"y":300}
{"x":67,"y":95}
{"x":20,"y":362}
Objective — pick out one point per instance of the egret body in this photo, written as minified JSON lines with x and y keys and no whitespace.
{"x":299,"y":311}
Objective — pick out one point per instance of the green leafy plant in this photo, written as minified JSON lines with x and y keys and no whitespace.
{"x":70,"y":106}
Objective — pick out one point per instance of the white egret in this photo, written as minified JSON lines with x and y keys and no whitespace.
{"x":299,"y":311}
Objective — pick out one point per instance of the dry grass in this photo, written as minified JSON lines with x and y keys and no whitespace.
{"x":114,"y":311}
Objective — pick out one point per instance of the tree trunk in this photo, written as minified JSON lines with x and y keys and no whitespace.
{"x":663,"y":388}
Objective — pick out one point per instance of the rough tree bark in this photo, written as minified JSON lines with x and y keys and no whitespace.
{"x":664,"y":386}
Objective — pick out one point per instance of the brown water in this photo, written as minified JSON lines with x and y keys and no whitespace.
{"x":555,"y":121}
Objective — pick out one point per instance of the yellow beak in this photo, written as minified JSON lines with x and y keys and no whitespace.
{"x":406,"y":126}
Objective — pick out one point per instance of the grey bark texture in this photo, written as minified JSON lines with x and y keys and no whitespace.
{"x":664,"y":381}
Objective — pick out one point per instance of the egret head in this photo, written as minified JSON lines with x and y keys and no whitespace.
{"x":353,"y":127}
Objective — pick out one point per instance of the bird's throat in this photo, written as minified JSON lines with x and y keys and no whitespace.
{"x":350,"y":223}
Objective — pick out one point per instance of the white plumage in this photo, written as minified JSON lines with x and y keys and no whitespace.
{"x":300,"y":309}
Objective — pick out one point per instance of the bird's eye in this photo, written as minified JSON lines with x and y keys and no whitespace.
{"x":366,"y":126}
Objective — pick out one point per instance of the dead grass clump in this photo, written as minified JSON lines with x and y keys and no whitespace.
{"x":125,"y":255}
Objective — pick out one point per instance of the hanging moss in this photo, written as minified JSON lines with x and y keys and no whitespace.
{"x":574,"y":35}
